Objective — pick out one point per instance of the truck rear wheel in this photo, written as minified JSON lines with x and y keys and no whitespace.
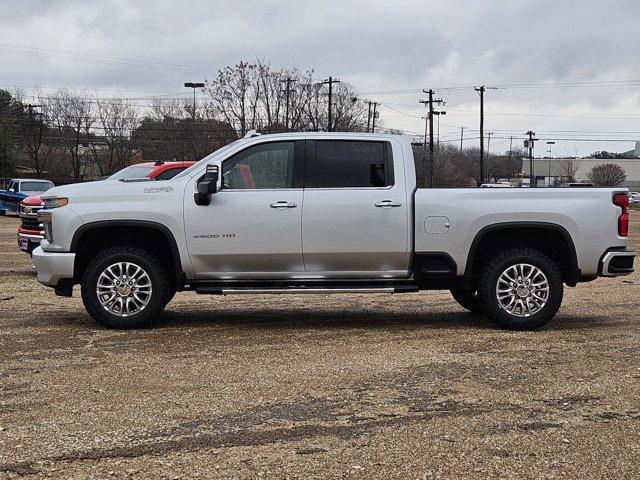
{"x":466,"y":299}
{"x":125,"y":287}
{"x":521,"y":289}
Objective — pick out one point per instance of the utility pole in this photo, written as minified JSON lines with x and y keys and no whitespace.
{"x":529,"y":144}
{"x":480,"y":91}
{"x":488,"y":144}
{"x":461,"y":138}
{"x":430,"y":103}
{"x":374,"y":115}
{"x":34,"y":142}
{"x":330,"y":81}
{"x":369,"y":117}
{"x":508,"y":166}
{"x":287,"y":81}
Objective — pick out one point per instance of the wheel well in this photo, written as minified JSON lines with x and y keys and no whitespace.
{"x":554,"y":242}
{"x":91,"y":241}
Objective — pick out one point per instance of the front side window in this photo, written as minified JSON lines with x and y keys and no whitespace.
{"x":345,"y":163}
{"x":264,"y":166}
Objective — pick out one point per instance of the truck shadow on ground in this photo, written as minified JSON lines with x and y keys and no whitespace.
{"x":339,"y":319}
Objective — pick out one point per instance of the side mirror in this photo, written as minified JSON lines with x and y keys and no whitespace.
{"x":207,"y":186}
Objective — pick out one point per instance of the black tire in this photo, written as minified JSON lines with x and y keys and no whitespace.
{"x":142,"y":258}
{"x":3,"y":212}
{"x":489,"y":280}
{"x":466,"y":299}
{"x":171,"y":292}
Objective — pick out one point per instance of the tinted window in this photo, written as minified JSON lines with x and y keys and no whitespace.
{"x":36,"y":186}
{"x":169,"y":173}
{"x":351,"y":164}
{"x":264,"y":166}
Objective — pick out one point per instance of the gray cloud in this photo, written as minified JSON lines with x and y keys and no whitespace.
{"x":378,"y":45}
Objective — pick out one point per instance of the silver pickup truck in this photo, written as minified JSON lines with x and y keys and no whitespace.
{"x":326,"y":213}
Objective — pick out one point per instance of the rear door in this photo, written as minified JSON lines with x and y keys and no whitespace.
{"x":355,"y":222}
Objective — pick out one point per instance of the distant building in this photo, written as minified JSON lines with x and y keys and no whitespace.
{"x":556,"y":171}
{"x":635,"y":152}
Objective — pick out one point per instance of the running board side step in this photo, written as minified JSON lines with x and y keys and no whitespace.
{"x":302,"y":290}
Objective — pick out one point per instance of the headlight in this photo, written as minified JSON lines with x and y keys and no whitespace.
{"x":50,"y":203}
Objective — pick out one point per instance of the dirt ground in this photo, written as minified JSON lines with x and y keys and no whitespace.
{"x":343,"y":386}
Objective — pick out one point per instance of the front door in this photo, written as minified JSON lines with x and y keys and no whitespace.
{"x":252,"y":227}
{"x":356,"y":217}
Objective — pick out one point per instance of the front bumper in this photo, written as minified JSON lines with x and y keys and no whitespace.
{"x":616,"y":262}
{"x":52,"y":267}
{"x":28,"y":241}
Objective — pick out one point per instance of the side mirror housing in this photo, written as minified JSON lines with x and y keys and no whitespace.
{"x":207,"y":186}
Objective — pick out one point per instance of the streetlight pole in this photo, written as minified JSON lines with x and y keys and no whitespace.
{"x":194,"y":85}
{"x":549,"y":173}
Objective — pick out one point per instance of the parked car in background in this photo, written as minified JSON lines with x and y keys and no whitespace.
{"x":31,"y":232}
{"x":497,"y":185}
{"x":19,"y":189}
{"x":578,"y":185}
{"x":634,"y":198}
{"x":156,"y":170}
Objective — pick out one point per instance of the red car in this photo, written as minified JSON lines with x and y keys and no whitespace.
{"x":30,"y":231}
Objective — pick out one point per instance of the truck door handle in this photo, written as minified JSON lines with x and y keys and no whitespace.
{"x":388,"y":204}
{"x":283,"y":204}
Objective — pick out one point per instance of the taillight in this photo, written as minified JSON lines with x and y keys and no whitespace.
{"x":622,"y":201}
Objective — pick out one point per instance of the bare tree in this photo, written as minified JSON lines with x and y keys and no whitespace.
{"x":607,"y":175}
{"x":567,"y":169}
{"x":118,"y":118}
{"x":235,"y":94}
{"x":72,"y":117}
{"x":36,"y":132}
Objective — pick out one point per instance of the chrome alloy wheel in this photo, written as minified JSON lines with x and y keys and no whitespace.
{"x":522,"y":290}
{"x":124,"y":289}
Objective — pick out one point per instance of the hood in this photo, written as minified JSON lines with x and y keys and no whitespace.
{"x":33,"y":201}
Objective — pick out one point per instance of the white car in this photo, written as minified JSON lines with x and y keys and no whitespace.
{"x":326,"y":213}
{"x":634,"y":198}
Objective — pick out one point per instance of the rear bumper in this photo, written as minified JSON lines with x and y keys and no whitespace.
{"x":52,"y":267}
{"x":616,"y":262}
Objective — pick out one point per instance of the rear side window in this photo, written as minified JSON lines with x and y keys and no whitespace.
{"x":355,"y":164}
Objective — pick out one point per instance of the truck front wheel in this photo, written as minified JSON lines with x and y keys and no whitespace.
{"x":521,"y":289}
{"x":125,"y":287}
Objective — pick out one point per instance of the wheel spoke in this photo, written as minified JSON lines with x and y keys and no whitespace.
{"x":124,"y":289}
{"x":522,"y":290}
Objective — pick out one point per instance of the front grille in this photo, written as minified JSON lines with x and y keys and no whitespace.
{"x":29,"y":217}
{"x":31,"y":223}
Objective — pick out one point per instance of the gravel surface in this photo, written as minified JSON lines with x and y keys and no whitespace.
{"x":344,"y":386}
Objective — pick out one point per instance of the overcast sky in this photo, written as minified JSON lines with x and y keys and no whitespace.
{"x":378,"y":46}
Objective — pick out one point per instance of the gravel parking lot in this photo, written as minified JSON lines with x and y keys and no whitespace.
{"x":344,"y":386}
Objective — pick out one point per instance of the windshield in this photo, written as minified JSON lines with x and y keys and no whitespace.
{"x":35,"y":186}
{"x":131,"y":172}
{"x":199,"y":164}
